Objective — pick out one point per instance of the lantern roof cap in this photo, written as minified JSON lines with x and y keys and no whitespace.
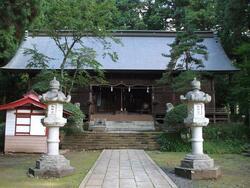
{"x":54,"y":95}
{"x":196,"y":95}
{"x":54,"y":84}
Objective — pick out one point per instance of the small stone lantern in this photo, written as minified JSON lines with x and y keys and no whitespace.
{"x":53,"y":164}
{"x":197,"y":165}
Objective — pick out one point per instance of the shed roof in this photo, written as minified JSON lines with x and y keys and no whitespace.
{"x":138,"y":50}
{"x":28,"y":98}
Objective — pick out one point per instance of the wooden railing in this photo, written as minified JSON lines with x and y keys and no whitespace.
{"x":214,"y":115}
{"x":217,"y":115}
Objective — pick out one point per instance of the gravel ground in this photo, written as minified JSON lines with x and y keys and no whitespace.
{"x":179,"y":181}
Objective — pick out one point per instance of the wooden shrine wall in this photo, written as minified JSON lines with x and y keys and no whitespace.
{"x":160,"y":94}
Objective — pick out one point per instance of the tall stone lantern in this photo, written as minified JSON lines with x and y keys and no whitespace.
{"x":52,"y":164}
{"x":197,"y":165}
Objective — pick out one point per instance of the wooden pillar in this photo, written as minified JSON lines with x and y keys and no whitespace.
{"x":152,"y":101}
{"x":214,"y":100}
{"x":121,"y":100}
{"x":90,"y":100}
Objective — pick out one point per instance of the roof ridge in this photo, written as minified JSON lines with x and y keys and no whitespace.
{"x":135,"y":33}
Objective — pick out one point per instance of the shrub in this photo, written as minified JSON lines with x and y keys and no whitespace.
{"x":173,"y":142}
{"x":219,"y":139}
{"x":175,"y":118}
{"x":226,"y":131}
{"x":223,"y":146}
{"x":176,"y":141}
{"x":75,"y":120}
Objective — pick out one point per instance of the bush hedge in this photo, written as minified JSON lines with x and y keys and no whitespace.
{"x":174,"y":118}
{"x":173,"y":142}
{"x":219,"y":139}
{"x":226,"y":131}
{"x":74,"y":124}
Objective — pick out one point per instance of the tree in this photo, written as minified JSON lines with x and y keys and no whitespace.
{"x":15,"y":16}
{"x":187,"y":44}
{"x":129,"y":15}
{"x":76,"y":18}
{"x":232,"y":23}
{"x":241,"y":89}
{"x":201,"y":14}
{"x":156,"y":14}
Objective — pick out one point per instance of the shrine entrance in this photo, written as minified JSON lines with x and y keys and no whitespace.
{"x":120,"y":98}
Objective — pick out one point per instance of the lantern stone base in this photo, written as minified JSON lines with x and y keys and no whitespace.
{"x":198,"y":174}
{"x":51,"y":166}
{"x":198,"y":167}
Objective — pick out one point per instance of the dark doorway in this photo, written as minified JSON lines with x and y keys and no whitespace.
{"x":117,"y":99}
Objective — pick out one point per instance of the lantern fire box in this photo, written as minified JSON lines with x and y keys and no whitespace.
{"x":24,"y":131}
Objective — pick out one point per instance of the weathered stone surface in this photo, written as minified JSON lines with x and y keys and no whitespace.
{"x":126,"y":169}
{"x":51,"y":166}
{"x":54,"y":94}
{"x":197,"y":165}
{"x":198,"y":174}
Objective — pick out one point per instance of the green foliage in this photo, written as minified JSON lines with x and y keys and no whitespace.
{"x":222,"y":93}
{"x":181,"y":83}
{"x":129,"y":15}
{"x":172,"y":142}
{"x":156,"y":14}
{"x":75,"y":120}
{"x":187,"y":50}
{"x":75,"y":15}
{"x":40,"y":83}
{"x":219,"y":139}
{"x":175,"y":118}
{"x":38,"y":60}
{"x":200,"y":14}
{"x":223,"y":146}
{"x":232,"y":18}
{"x":8,"y":43}
{"x":227,"y":132}
{"x":184,"y":50}
{"x":15,"y":16}
{"x":12,"y":86}
{"x":240,"y":93}
{"x":78,"y":18}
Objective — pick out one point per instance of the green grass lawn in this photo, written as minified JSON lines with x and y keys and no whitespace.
{"x":235,"y":168}
{"x":13,"y":169}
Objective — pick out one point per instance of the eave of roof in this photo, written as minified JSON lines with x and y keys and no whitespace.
{"x":142,"y":51}
{"x":29,"y":98}
{"x":22,"y":102}
{"x":124,"y":33}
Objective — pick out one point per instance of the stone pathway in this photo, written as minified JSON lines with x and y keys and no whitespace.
{"x":126,"y":169}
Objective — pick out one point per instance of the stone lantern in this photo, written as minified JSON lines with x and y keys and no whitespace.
{"x":53,"y":164}
{"x":197,"y":165}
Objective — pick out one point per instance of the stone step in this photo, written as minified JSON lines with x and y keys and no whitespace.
{"x":107,"y":126}
{"x":98,"y":141}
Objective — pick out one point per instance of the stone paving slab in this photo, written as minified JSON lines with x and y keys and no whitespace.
{"x":126,"y":169}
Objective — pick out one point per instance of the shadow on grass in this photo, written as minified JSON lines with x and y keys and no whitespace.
{"x":13,"y":170}
{"x":235,"y":169}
